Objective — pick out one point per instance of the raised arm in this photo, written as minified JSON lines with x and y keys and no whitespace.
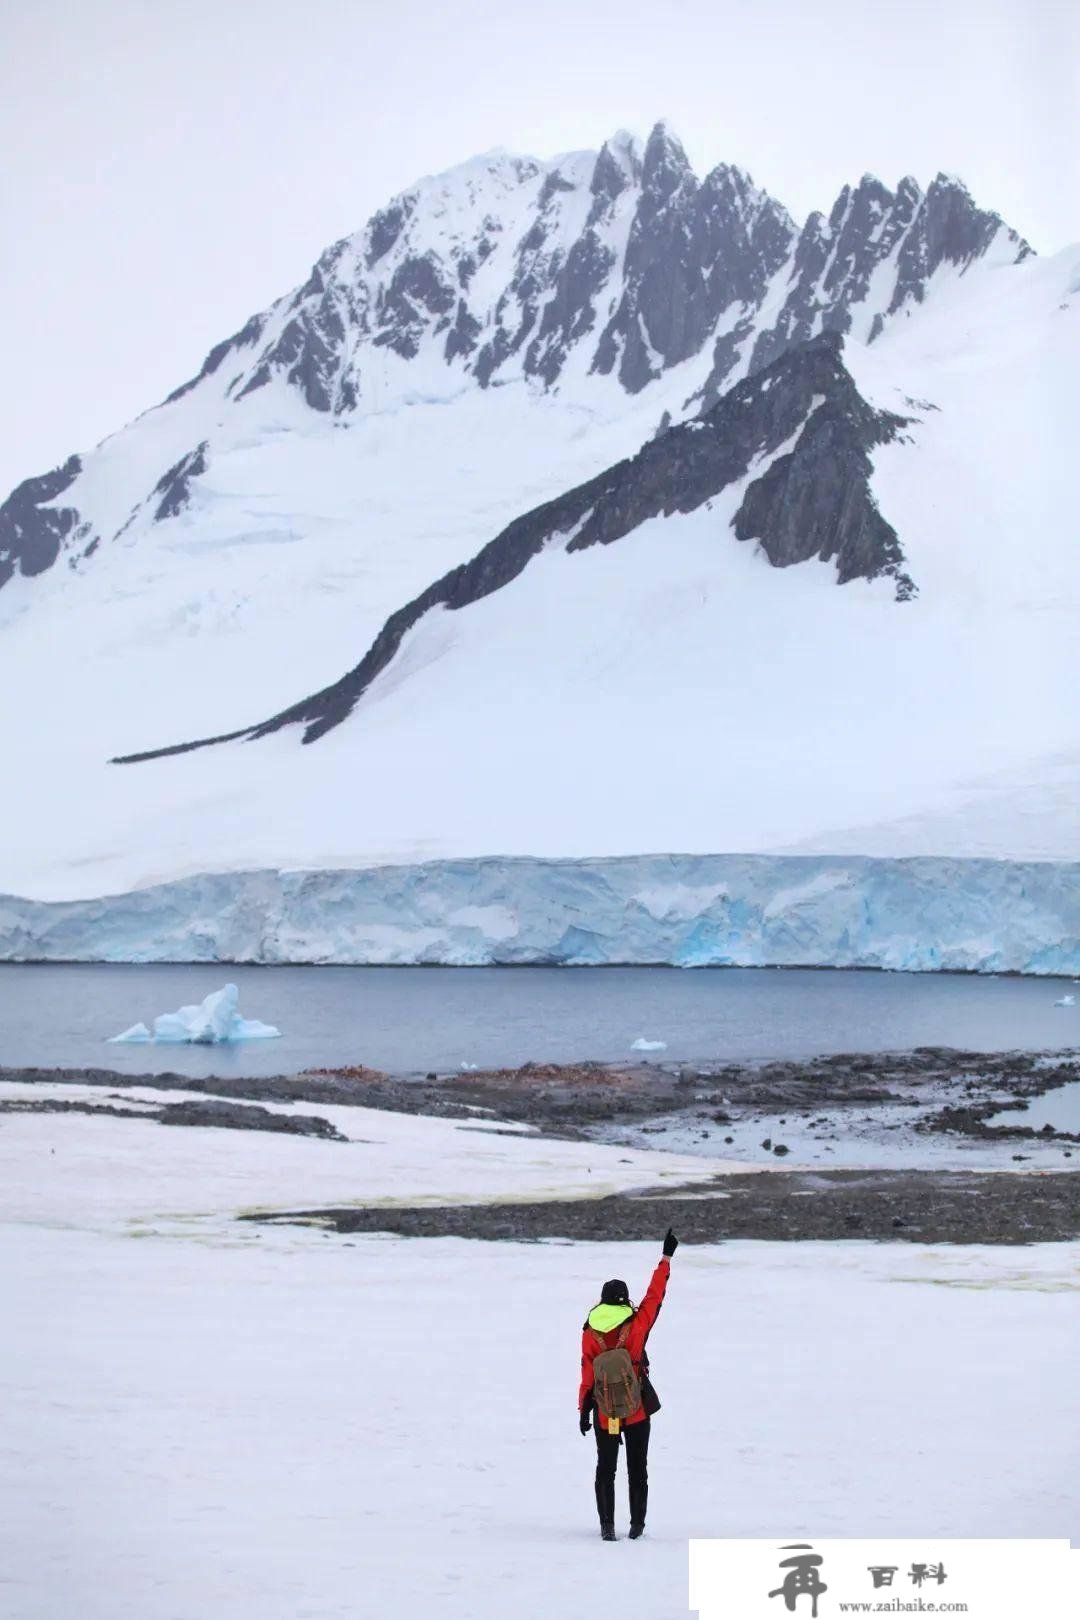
{"x":649,"y":1309}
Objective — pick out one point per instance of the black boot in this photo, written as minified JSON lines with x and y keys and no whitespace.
{"x":607,"y":1532}
{"x":636,"y":1530}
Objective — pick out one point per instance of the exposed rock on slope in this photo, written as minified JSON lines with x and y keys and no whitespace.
{"x":813,"y":500}
{"x":32,"y":527}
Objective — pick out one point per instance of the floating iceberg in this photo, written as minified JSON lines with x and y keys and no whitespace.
{"x":211,"y":1023}
{"x":642,"y":1045}
{"x":1066,"y":1001}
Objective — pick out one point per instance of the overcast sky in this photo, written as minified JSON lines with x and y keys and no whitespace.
{"x":171,"y":166}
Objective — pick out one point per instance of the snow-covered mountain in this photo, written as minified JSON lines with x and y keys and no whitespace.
{"x":506,"y":270}
{"x":577,"y":508}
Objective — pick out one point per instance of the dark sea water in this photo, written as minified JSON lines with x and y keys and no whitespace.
{"x":415,"y":1019}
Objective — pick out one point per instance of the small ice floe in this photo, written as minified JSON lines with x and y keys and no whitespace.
{"x":642,"y":1045}
{"x":468,"y":1067}
{"x":137,"y":1032}
{"x":212,"y":1023}
{"x":1066,"y":1001}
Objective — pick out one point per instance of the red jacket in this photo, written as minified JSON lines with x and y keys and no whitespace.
{"x":637,"y":1329}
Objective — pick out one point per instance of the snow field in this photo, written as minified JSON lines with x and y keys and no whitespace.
{"x":106,"y":1173}
{"x":195,"y":1429}
{"x":211,"y":1418}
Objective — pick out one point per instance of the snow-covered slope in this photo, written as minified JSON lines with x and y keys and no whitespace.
{"x":830,"y":609}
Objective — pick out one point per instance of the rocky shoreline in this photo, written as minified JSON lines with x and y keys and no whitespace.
{"x":961,"y":1089}
{"x":894,"y":1206}
{"x":933,"y":1169}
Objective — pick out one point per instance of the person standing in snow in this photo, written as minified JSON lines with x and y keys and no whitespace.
{"x":616,"y":1397}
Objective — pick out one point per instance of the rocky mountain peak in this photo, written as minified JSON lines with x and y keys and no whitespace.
{"x":954,"y":229}
{"x":618,"y":166}
{"x":507,"y":269}
{"x":610,"y":177}
{"x":643,"y":274}
{"x":665,"y":166}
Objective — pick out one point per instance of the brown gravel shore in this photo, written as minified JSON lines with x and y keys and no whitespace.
{"x":571,"y":1099}
{"x":905,"y":1206}
{"x":945,"y":1094}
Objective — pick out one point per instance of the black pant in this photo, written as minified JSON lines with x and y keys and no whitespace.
{"x":636,"y":1436}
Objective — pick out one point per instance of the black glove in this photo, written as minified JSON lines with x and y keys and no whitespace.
{"x":585,"y":1415}
{"x":671,"y":1243}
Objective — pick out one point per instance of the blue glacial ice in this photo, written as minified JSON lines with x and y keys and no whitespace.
{"x":211,"y":1023}
{"x":915,"y":915}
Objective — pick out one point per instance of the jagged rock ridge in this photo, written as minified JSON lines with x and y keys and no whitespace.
{"x":619,"y":265}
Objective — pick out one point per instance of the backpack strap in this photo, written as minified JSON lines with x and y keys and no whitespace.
{"x":620,"y":1342}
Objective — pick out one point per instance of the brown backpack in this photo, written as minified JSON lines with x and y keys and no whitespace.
{"x":616,"y":1385}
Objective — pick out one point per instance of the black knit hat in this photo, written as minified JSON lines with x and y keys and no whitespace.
{"x":615,"y":1292}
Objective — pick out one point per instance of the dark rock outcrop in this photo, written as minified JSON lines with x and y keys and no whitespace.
{"x":311,"y":346}
{"x":814,"y":501}
{"x":235,"y":1116}
{"x":385,"y":228}
{"x":694,"y":250}
{"x":308,"y":350}
{"x":541,"y":268}
{"x":836,"y":259}
{"x":570,"y":312}
{"x":949,"y":230}
{"x":248,"y":335}
{"x":174,"y":487}
{"x":418,"y":291}
{"x":212,"y":1111}
{"x":32,"y":529}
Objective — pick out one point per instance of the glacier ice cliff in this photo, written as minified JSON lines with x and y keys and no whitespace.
{"x":917,"y":915}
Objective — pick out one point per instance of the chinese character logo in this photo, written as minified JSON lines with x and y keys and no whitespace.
{"x":802,"y":1579}
{"x":927,"y":1572}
